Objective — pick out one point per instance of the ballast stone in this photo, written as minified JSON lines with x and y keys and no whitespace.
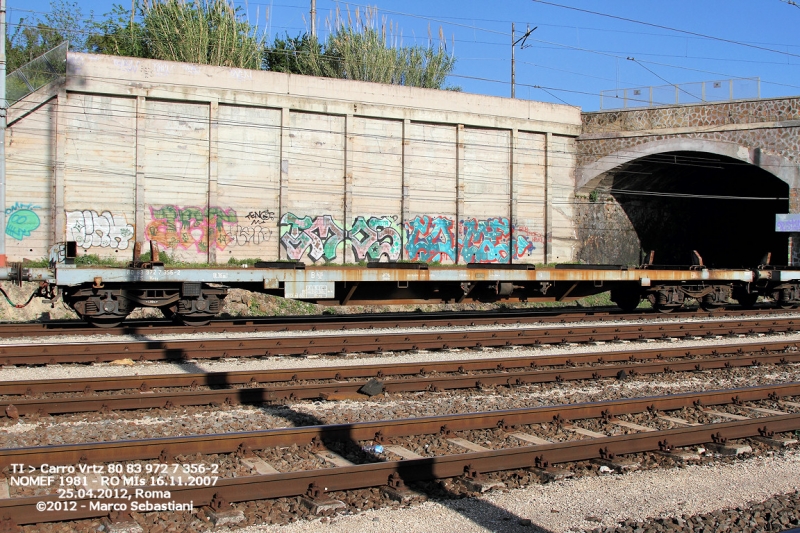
{"x":372,"y":387}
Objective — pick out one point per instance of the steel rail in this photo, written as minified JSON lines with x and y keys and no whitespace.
{"x":22,"y":510}
{"x":21,"y":354}
{"x":261,"y":395}
{"x":366,"y":321}
{"x":251,"y":377}
{"x":166,"y":447}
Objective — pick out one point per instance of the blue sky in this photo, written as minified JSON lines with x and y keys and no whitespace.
{"x":574,"y":55}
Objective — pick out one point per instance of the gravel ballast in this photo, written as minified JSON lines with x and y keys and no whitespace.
{"x":649,"y":500}
{"x":598,"y":503}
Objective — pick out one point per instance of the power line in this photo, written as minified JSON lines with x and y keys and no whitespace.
{"x":687,"y":32}
{"x":664,"y":80}
{"x":685,"y":195}
{"x":791,"y":3}
{"x":560,"y":45}
{"x":319,"y":159}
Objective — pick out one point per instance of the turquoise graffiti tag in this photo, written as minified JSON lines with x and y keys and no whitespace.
{"x":21,"y":223}
{"x":430,"y":238}
{"x":485,"y":240}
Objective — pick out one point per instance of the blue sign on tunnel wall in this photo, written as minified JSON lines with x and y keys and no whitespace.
{"x":790,"y":222}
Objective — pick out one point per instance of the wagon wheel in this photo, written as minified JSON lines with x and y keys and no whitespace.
{"x":783,"y":299}
{"x":660,"y":303}
{"x":665,"y":308}
{"x":747,"y":299}
{"x":105,"y":322}
{"x":626,"y":300}
{"x":710,"y":308}
{"x":194,"y":320}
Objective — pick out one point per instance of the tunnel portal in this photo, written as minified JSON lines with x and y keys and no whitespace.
{"x":672,"y":203}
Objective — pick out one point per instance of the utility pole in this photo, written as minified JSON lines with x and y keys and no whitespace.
{"x":3,"y":119}
{"x":133,"y":13}
{"x":314,"y":18}
{"x":513,"y":47}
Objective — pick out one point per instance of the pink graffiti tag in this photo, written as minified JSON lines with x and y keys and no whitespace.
{"x":524,"y":240}
{"x":186,"y":227}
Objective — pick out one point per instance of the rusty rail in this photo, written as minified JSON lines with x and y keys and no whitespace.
{"x":366,"y":321}
{"x":334,"y":344}
{"x":245,"y":377}
{"x":103,"y":452}
{"x":496,"y":373}
{"x":22,"y":510}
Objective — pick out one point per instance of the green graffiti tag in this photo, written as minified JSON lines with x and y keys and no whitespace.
{"x":21,"y":223}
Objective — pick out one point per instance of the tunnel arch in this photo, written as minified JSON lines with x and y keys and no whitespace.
{"x":677,"y":195}
{"x":591,"y":174}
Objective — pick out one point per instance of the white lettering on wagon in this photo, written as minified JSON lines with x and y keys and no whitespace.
{"x":322,"y":290}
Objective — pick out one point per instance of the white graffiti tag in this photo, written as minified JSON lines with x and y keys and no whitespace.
{"x":88,"y":229}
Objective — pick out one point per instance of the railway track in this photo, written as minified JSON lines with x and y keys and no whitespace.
{"x":62,"y":396}
{"x":179,"y":350}
{"x":367,"y":321}
{"x":535,"y":438}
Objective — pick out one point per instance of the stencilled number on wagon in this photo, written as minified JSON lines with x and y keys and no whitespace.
{"x":159,"y":274}
{"x":317,"y":275}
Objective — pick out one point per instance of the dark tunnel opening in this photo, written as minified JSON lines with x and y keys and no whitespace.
{"x":676,"y":202}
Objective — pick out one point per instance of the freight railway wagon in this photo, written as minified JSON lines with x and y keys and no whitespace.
{"x":440,"y":196}
{"x":105,"y":296}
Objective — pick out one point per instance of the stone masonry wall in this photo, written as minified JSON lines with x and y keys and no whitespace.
{"x":775,"y":127}
{"x":766,"y":127}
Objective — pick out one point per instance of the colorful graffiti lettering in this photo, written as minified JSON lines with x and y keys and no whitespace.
{"x":187,"y":227}
{"x":88,"y":228}
{"x":21,"y":223}
{"x":430,"y":238}
{"x":321,"y":234}
{"x":374,"y":238}
{"x":524,"y":240}
{"x":257,"y":218}
{"x":371,"y":238}
{"x":484,"y":241}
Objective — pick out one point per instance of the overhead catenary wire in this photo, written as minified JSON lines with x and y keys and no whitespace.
{"x":81,"y":111}
{"x":325,"y":160}
{"x":547,"y":90}
{"x":660,"y":26}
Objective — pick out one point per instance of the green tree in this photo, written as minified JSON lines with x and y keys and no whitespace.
{"x":118,"y":34}
{"x":33,"y":37}
{"x":358,"y":50}
{"x":287,"y":53}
